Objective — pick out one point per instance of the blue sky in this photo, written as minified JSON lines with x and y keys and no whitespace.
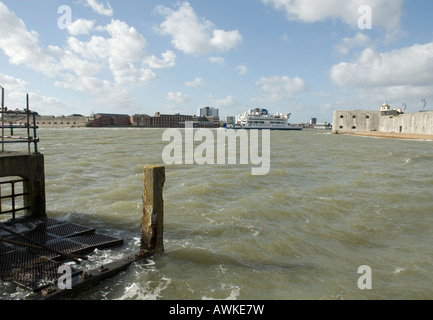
{"x":307,"y":57}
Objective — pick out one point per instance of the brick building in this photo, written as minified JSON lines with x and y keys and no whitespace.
{"x":110,"y":120}
{"x":161,"y":120}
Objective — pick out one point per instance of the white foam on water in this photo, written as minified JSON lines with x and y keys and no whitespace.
{"x":399,"y":269}
{"x":233,"y":295}
{"x":146,"y":291}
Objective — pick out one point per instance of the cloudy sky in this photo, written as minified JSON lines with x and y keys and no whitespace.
{"x":307,"y":57}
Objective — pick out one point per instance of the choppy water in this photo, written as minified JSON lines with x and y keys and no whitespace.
{"x":329,"y":205}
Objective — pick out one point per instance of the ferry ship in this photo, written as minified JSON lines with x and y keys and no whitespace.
{"x":261,"y":119}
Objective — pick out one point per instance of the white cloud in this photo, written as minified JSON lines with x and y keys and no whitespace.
{"x":279,"y":88}
{"x":68,"y":61}
{"x":386,"y":13}
{"x":242,"y":70}
{"x":13,"y":84}
{"x":395,"y":96}
{"x":22,"y":46}
{"x":197,"y":82}
{"x":347,"y":44}
{"x":194,"y":35}
{"x":168,"y":60}
{"x":128,"y":74}
{"x":100,"y":8}
{"x":321,"y":95}
{"x":177,"y":97}
{"x":225,"y":40}
{"x":107,"y":94}
{"x":218,"y":60}
{"x":49,"y":105}
{"x":80,"y":26}
{"x":401,"y":75}
{"x":401,"y":67}
{"x":126,"y":43}
{"x":124,"y":53}
{"x":227,"y":102}
{"x":16,"y":91}
{"x":79,"y":64}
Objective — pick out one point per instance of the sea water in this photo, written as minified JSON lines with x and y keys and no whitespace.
{"x":329,"y":204}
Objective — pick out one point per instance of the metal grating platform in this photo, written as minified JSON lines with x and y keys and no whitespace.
{"x":36,"y":268}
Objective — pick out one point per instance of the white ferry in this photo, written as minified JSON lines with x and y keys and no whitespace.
{"x":261,"y":119}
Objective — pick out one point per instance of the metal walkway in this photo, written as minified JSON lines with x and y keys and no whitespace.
{"x":36,"y":267}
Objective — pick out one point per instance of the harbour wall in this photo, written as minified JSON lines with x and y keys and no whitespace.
{"x":358,"y":121}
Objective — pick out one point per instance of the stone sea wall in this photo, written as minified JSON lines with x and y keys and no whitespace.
{"x":358,"y":121}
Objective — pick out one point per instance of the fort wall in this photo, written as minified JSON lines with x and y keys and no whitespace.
{"x":352,"y":122}
{"x":419,"y":123}
{"x":356,"y":121}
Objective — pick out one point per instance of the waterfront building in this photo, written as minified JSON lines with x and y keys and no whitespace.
{"x":386,"y":120}
{"x":208,"y":112}
{"x":231,"y":120}
{"x":207,"y":117}
{"x":110,"y":120}
{"x":385,"y":107}
{"x":72,"y":121}
{"x":161,"y":120}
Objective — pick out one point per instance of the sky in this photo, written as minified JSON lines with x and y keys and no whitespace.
{"x":304,"y":57}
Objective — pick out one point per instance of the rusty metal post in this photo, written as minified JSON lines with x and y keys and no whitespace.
{"x":152,"y":227}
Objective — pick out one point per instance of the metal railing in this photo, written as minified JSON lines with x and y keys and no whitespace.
{"x":13,"y":198}
{"x":13,"y":120}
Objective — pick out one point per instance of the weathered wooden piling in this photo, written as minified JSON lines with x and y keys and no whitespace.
{"x":152,"y":226}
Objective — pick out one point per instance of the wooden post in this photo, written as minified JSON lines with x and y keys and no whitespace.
{"x":152,"y":227}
